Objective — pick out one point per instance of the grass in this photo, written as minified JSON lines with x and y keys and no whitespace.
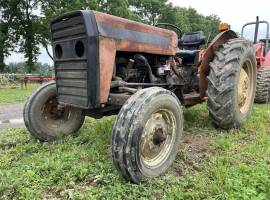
{"x":211,"y":164}
{"x":15,"y":95}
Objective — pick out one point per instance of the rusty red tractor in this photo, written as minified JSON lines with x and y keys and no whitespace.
{"x":263,"y":62}
{"x":107,"y":65}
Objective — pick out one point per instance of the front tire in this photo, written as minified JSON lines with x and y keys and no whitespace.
{"x":231,"y":84}
{"x":45,"y":120}
{"x":146,"y":134}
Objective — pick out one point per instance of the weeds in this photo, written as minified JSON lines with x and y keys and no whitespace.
{"x":211,"y":163}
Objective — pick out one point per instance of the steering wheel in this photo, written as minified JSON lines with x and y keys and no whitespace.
{"x":179,"y":32}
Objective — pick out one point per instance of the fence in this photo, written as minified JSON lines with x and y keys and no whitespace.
{"x":15,"y":80}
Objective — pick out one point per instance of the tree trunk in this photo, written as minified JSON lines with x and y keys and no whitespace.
{"x":29,"y":42}
{"x":29,"y":54}
{"x":2,"y":63}
{"x":3,"y":38}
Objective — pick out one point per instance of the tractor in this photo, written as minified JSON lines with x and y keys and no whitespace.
{"x":262,"y":49}
{"x":107,"y":65}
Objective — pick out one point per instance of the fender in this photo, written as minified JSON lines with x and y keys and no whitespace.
{"x":208,"y":56}
{"x":266,"y":62}
{"x":259,"y":47}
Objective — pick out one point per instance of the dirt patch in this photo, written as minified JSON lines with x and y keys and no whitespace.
{"x":193,"y":150}
{"x":195,"y":143}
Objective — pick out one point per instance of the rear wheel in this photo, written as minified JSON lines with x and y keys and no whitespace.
{"x":45,"y":119}
{"x":146,"y":134}
{"x":231,"y":83}
{"x":263,"y":85}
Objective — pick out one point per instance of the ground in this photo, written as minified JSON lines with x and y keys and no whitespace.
{"x":11,"y":115}
{"x":211,"y":163}
{"x":11,"y":105}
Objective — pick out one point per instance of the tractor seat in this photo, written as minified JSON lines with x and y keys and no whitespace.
{"x":189,"y":46}
{"x":192,"y":40}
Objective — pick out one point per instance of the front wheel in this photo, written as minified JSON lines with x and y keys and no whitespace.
{"x":146,"y":134}
{"x":45,"y":119}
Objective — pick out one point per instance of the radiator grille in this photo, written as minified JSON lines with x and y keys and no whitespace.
{"x":70,"y":69}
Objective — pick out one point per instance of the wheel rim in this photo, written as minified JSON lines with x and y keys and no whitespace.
{"x":53,"y":115}
{"x":245,"y":87}
{"x":158,"y":138}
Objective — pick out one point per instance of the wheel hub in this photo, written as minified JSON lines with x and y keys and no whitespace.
{"x":52,"y":112}
{"x":244,"y":89}
{"x":157,"y":137}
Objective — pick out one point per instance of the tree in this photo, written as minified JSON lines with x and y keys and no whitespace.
{"x":148,"y":10}
{"x":50,"y":9}
{"x":8,"y":11}
{"x":29,"y":30}
{"x":176,"y":16}
{"x":25,"y":23}
{"x":210,"y":25}
{"x":115,"y":7}
{"x":188,"y":20}
{"x":3,"y":47}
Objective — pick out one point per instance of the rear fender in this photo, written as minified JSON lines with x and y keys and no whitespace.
{"x":208,"y":57}
{"x":267,"y":60}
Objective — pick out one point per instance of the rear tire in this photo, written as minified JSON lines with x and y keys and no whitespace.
{"x":45,"y":120}
{"x":263,"y":85}
{"x":146,"y":134}
{"x":231,"y":84}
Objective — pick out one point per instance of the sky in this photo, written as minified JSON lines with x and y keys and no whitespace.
{"x":234,"y":12}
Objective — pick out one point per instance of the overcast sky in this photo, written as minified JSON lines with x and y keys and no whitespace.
{"x":234,"y":12}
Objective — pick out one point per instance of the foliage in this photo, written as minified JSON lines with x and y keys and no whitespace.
{"x":25,"y":23}
{"x":8,"y":10}
{"x":53,"y":8}
{"x":149,"y":10}
{"x":29,"y":30}
{"x":188,"y":19}
{"x":21,"y":67}
{"x":211,"y":164}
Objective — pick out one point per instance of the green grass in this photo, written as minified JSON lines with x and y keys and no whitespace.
{"x":16,"y":95}
{"x":211,"y":164}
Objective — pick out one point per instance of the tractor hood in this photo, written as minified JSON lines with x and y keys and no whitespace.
{"x":85,"y":44}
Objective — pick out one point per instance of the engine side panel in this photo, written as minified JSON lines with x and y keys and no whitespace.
{"x":107,"y":52}
{"x":118,"y":34}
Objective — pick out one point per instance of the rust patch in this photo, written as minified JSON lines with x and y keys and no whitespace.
{"x":119,"y":22}
{"x":107,"y":51}
{"x":125,"y":45}
{"x":110,"y":43}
